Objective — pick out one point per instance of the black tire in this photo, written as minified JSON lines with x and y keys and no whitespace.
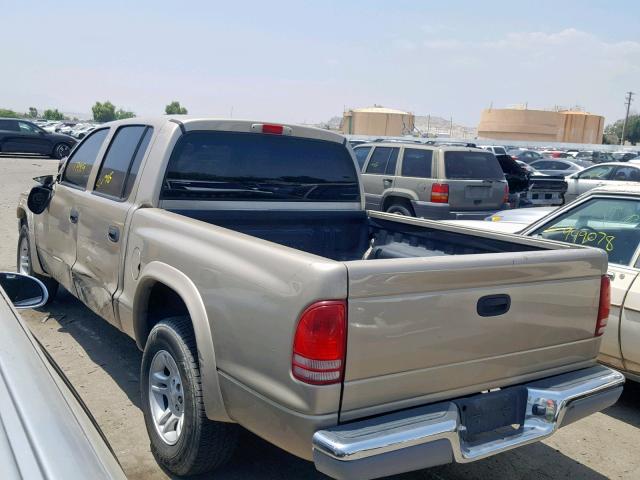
{"x":61,"y":150}
{"x":51,"y":284}
{"x":203,"y":445}
{"x":401,"y":208}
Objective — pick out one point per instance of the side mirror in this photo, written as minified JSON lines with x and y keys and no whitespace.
{"x":39,"y":198}
{"x":23,"y":291}
{"x":45,"y":180}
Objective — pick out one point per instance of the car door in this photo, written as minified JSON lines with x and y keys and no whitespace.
{"x":32,"y":139}
{"x":589,"y":178}
{"x":416,"y":173}
{"x":630,"y":329}
{"x":103,"y":210}
{"x":379,"y":175}
{"x":57,"y":227}
{"x":9,"y":135}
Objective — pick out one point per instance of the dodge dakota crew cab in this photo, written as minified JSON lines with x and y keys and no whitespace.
{"x":240,"y":258}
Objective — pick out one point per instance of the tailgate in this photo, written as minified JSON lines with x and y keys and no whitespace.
{"x":426,"y":329}
{"x":475,"y":194}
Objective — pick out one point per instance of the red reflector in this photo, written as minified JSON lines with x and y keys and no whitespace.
{"x":505,"y":198}
{"x":439,"y":193}
{"x":604,"y":306}
{"x":275,"y":129}
{"x":320,"y":342}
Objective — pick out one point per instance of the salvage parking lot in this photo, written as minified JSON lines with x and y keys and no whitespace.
{"x":103,"y":365}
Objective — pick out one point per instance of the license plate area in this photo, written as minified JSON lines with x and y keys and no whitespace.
{"x":501,"y":413}
{"x":477,"y":193}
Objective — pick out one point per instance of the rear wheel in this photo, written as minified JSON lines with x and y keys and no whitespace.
{"x":183,"y":439}
{"x":25,"y":266}
{"x":61,"y":150}
{"x":401,"y":208}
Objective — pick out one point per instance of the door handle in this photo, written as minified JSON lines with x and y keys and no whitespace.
{"x":73,"y":215}
{"x":387,"y":182}
{"x":611,"y":275}
{"x":113,"y":233}
{"x":493,"y":305}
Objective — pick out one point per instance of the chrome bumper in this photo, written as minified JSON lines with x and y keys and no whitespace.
{"x":434,"y":435}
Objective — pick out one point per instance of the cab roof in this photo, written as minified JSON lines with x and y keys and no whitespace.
{"x":193,"y":123}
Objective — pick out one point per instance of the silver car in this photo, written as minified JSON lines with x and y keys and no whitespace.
{"x":556,"y":167}
{"x":46,"y":432}
{"x":599,"y":175}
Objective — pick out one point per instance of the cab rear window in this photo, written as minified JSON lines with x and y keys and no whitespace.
{"x":466,"y":165}
{"x":248,"y":166}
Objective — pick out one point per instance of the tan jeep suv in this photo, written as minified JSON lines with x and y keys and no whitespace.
{"x":437,"y":182}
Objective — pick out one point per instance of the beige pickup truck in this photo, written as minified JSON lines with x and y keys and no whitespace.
{"x":240,"y":258}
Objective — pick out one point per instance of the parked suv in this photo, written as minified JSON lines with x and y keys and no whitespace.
{"x":437,"y":182}
{"x":23,"y":136}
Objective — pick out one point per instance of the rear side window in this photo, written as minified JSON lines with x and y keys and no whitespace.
{"x":383,"y":161}
{"x":9,"y":125}
{"x":361,"y":155}
{"x":119,"y":160}
{"x":84,"y":156}
{"x":468,"y":165}
{"x":416,"y":163}
{"x":249,"y":166}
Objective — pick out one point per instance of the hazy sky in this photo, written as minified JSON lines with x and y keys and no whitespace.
{"x":305,"y":61}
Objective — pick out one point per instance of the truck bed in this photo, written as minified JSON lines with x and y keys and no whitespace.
{"x":442,"y":310}
{"x":356,"y":235}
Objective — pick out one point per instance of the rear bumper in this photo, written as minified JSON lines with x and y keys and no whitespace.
{"x":442,"y":211}
{"x":434,"y":435}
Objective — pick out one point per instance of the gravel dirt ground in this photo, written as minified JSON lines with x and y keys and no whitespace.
{"x":103,"y":364}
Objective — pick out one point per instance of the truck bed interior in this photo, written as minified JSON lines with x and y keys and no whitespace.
{"x":350,"y":235}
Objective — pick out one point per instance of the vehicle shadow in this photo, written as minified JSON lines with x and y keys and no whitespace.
{"x":115,"y":352}
{"x":119,"y":357}
{"x":628,"y":407}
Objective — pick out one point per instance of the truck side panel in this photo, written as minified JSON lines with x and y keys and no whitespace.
{"x":253,"y":292}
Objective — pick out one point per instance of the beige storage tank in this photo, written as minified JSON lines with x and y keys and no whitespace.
{"x":377,"y":121}
{"x":541,"y":126}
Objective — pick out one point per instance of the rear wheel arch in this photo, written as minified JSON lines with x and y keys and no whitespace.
{"x":396,"y":199}
{"x":179,"y":296}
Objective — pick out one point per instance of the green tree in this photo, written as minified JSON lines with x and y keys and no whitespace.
{"x":174,"y":108}
{"x":53,"y":114}
{"x":122,"y":114}
{"x":33,"y":112}
{"x":104,"y":112}
{"x":631,"y":132}
{"x":8,"y":113}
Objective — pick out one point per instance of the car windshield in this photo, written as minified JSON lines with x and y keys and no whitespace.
{"x":608,"y":223}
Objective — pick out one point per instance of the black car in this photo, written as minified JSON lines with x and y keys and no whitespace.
{"x":23,"y":136}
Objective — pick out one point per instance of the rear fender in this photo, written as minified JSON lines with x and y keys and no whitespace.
{"x":186,"y":289}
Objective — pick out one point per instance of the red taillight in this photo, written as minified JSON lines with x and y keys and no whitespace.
{"x":320,"y":342}
{"x":505,"y":198}
{"x":604,"y":306}
{"x":274,"y":129}
{"x":514,"y":157}
{"x":439,"y":193}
